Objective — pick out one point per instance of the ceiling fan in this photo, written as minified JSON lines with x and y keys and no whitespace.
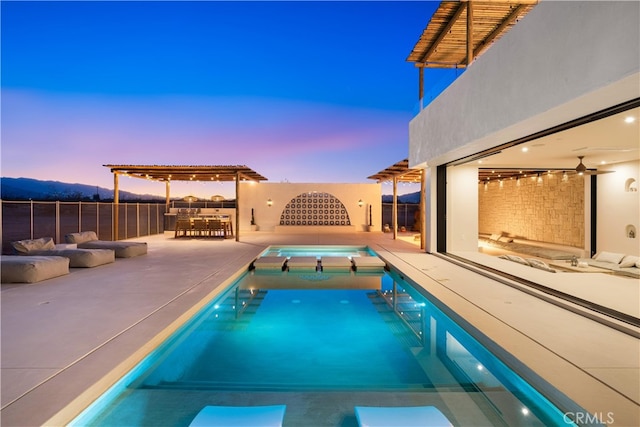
{"x":581,"y":169}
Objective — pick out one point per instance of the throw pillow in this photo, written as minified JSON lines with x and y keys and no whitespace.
{"x":26,"y":246}
{"x":535,"y":263}
{"x":609,"y":257}
{"x":629,"y":261}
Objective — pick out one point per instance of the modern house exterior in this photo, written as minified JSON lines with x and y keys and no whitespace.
{"x":559,"y":85}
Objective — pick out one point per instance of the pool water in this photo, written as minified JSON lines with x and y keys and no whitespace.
{"x":380,"y":340}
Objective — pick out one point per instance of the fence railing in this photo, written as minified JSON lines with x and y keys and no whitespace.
{"x":408,"y":215}
{"x":31,"y":220}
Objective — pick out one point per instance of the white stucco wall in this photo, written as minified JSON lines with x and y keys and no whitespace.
{"x":550,"y":68}
{"x":255,"y":195}
{"x":619,"y":208}
{"x":462,"y":208}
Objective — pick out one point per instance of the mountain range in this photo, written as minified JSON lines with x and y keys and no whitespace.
{"x":33,"y":189}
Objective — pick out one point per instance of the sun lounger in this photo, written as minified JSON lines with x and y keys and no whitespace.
{"x":77,"y":257}
{"x":405,"y":416}
{"x":270,"y":263}
{"x":240,"y":416}
{"x":368,"y":263}
{"x":336,"y":263}
{"x":302,"y":263}
{"x":89,"y":240}
{"x":32,"y":269}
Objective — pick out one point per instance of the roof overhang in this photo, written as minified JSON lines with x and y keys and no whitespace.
{"x":400,"y":171}
{"x":187,"y":173}
{"x":443,"y":43}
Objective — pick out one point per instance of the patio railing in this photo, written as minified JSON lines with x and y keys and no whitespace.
{"x":407,"y":215}
{"x":31,"y":220}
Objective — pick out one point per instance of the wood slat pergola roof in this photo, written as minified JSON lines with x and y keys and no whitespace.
{"x":401,"y":171}
{"x":443,"y":43}
{"x":187,"y":173}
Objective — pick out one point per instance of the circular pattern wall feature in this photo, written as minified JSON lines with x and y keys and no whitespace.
{"x":315,"y":208}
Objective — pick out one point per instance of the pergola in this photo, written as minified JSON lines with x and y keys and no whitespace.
{"x":166,"y":174}
{"x":460,"y":31}
{"x":400,"y":172}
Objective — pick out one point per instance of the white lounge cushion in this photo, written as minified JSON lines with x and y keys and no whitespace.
{"x":240,"y":416}
{"x":123,"y":249}
{"x":405,"y":416}
{"x":629,"y":261}
{"x":77,"y":257}
{"x":31,"y":245}
{"x":336,"y":263}
{"x":368,"y":263}
{"x":302,"y":262}
{"x":515,"y":258}
{"x":270,"y":263}
{"x":81,"y":258}
{"x":541,"y":265}
{"x":611,"y":257}
{"x":81,"y":237}
{"x":32,"y":269}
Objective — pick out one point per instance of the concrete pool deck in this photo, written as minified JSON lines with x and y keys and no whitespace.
{"x":62,"y":337}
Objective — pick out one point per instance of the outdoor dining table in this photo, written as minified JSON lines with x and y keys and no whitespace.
{"x":199,"y":225}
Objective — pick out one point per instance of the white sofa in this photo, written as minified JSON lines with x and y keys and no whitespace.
{"x":32,"y":269}
{"x":620,"y":264}
{"x":89,"y":240}
{"x":77,"y":257}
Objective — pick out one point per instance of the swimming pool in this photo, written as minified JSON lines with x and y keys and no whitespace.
{"x":321,"y":343}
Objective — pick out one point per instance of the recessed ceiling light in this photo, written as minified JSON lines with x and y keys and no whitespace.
{"x":629,"y":119}
{"x":525,"y":149}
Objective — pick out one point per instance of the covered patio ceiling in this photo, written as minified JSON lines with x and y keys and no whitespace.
{"x":400,"y":171}
{"x":459,"y":31}
{"x":187,"y":173}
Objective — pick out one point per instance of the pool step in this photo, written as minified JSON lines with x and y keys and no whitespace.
{"x":326,"y":263}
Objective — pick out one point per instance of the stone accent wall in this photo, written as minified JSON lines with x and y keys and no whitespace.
{"x":552,"y":211}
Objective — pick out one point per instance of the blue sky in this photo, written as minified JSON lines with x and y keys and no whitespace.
{"x":298,"y":91}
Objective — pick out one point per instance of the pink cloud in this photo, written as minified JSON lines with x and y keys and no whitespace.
{"x":69,"y":138}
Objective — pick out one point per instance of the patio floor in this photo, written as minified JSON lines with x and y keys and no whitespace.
{"x":65,"y":339}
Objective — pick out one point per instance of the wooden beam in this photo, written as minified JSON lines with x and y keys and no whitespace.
{"x":469,"y":32}
{"x":167,"y":189}
{"x":420,"y":85}
{"x":116,"y":206}
{"x":499,"y":29}
{"x":443,"y":33}
{"x":237,"y":206}
{"x":394,"y":214}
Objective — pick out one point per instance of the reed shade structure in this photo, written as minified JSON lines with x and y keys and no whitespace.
{"x":460,"y":31}
{"x":400,"y":172}
{"x":166,"y":174}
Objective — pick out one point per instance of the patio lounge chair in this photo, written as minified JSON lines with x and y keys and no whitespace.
{"x":240,"y":416}
{"x":32,"y":269}
{"x":77,"y":257}
{"x":89,"y":240}
{"x":404,"y":416}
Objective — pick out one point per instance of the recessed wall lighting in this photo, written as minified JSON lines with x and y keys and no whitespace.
{"x":525,"y":149}
{"x":629,"y":119}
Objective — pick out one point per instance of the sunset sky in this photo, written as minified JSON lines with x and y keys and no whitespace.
{"x":297,"y":91}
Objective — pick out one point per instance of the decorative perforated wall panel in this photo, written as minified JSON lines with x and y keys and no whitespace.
{"x":315,"y":209}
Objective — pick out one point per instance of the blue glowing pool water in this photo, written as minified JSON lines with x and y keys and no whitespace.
{"x":368,"y":338}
